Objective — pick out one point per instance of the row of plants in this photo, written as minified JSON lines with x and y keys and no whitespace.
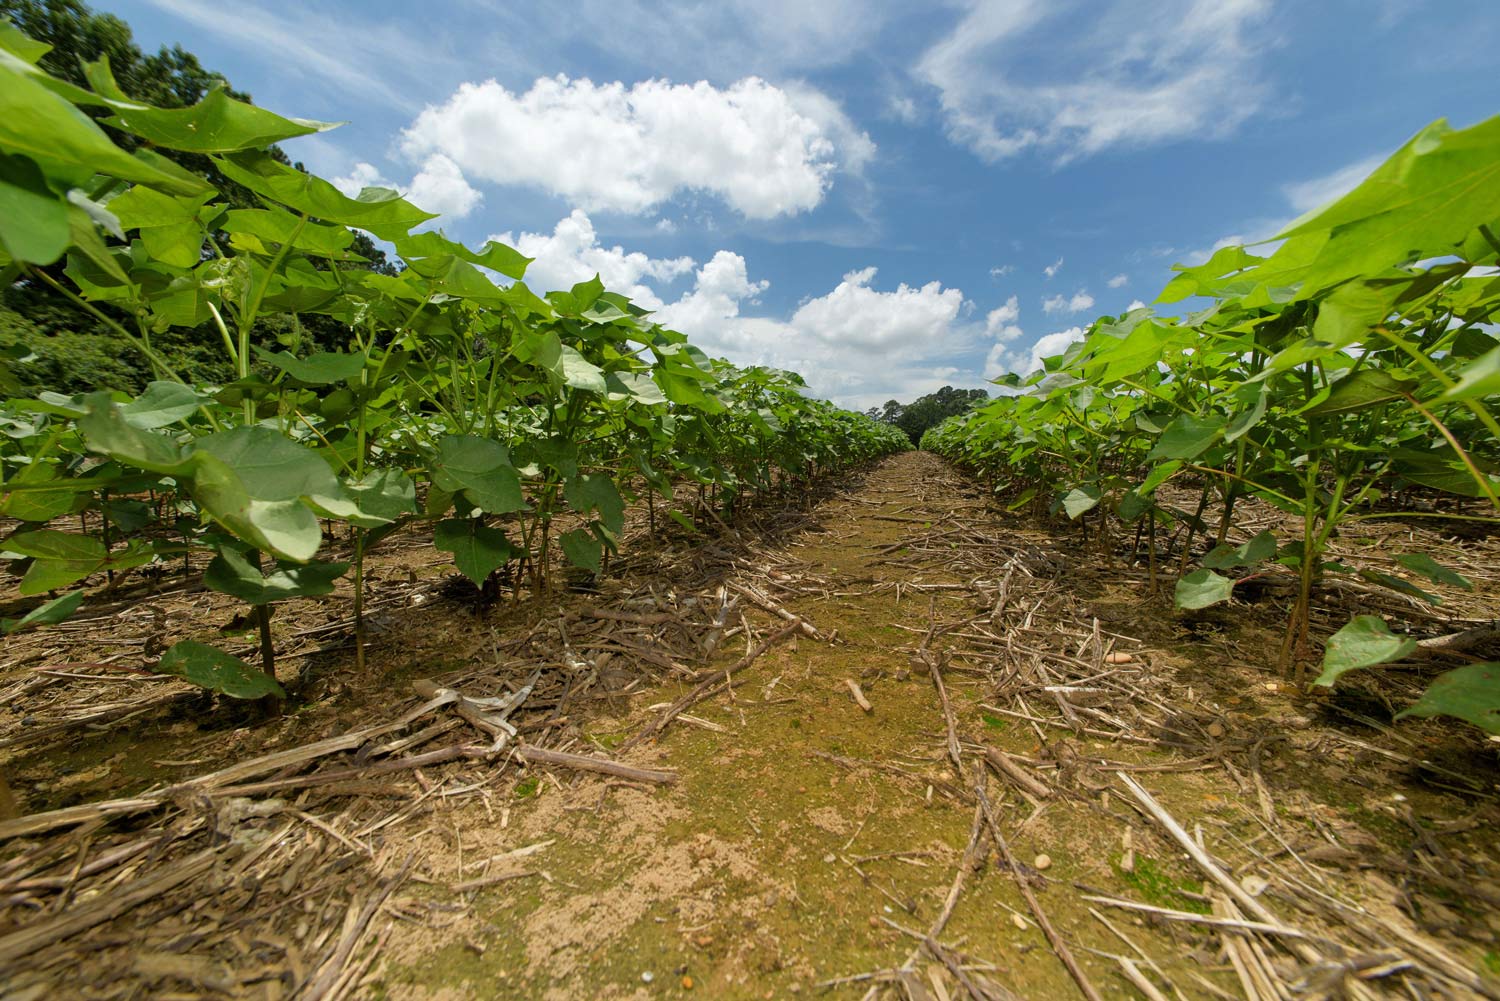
{"x":1347,"y":371}
{"x":515,"y":425}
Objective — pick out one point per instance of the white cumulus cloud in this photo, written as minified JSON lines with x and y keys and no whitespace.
{"x":767,"y":151}
{"x":1001,"y":323}
{"x":857,"y":315}
{"x":571,"y":253}
{"x":1115,"y":73}
{"x":439,"y":186}
{"x":361,"y":175}
{"x":707,"y":313}
{"x":1025,"y":361}
{"x":1118,"y":281}
{"x":856,"y":344}
{"x":1003,"y":326}
{"x":1051,"y":344}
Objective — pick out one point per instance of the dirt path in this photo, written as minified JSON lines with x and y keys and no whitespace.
{"x":367,"y":845}
{"x":808,"y":841}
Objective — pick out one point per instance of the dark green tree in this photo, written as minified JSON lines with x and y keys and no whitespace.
{"x":929,"y":411}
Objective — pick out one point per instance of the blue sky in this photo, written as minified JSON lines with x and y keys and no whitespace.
{"x":887,"y":197}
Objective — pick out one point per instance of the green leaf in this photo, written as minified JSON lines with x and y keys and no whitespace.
{"x":216,"y":124}
{"x":582,"y":549}
{"x":478,"y":550}
{"x":21,"y":45}
{"x":39,"y":505}
{"x":65,"y":142}
{"x":580,"y":298}
{"x":596,"y":491}
{"x":636,"y":386}
{"x":211,"y":668}
{"x":1366,"y":388}
{"x":1140,"y":349}
{"x":231,"y":573}
{"x":46,"y":614}
{"x":580,"y":373}
{"x":106,"y":429}
{"x":161,"y":404}
{"x":1403,"y":586}
{"x":382,"y":212}
{"x":321,"y":368}
{"x":1348,"y":313}
{"x":1257,"y":550}
{"x":1132,"y":506}
{"x":271,"y":465}
{"x":1159,"y":474}
{"x":383,"y":494}
{"x":1202,"y":588}
{"x":1081,"y":499}
{"x":1428,"y":567}
{"x":1422,"y":202}
{"x":495,"y":255}
{"x":1479,"y":378}
{"x":33,"y":218}
{"x":1470,"y":693}
{"x":286,"y":527}
{"x":171,"y":228}
{"x":1187,"y":437}
{"x":482,"y":469}
{"x":251,"y":229}
{"x":49,"y":575}
{"x":1364,"y":642}
{"x":87,"y":246}
{"x":1246,"y":419}
{"x":50,"y":544}
{"x":61,"y":558}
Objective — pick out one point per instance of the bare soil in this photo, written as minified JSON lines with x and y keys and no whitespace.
{"x":806,"y":846}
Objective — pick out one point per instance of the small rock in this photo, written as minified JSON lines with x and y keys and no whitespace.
{"x":1042,"y":862}
{"x":687,"y":983}
{"x":1118,"y":657}
{"x":704,"y":941}
{"x":647,"y":977}
{"x":1254,"y":885}
{"x":1018,"y":921}
{"x":829,"y":857}
{"x":874,"y":921}
{"x":1216,"y":729}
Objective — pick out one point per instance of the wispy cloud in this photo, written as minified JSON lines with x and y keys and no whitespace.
{"x":1052,"y":269}
{"x":1304,"y":196}
{"x":364,"y":59}
{"x":1301,"y":197}
{"x":1114,"y":74}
